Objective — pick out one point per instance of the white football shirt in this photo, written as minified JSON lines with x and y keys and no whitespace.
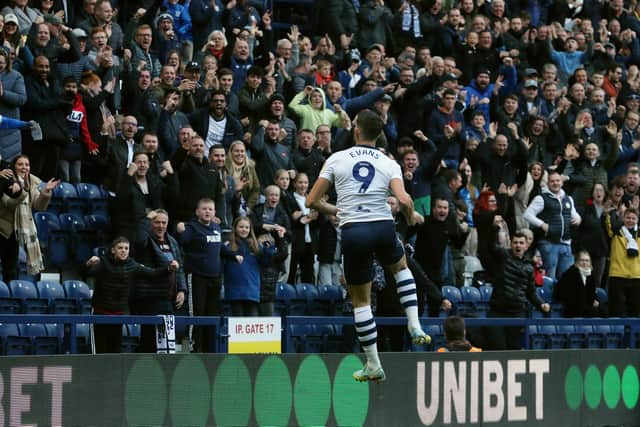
{"x":361,"y":175}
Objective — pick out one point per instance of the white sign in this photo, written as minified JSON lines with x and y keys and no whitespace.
{"x":255,"y":335}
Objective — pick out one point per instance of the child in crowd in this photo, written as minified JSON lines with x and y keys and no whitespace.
{"x":275,"y":251}
{"x":241,"y":269}
{"x":202,"y":239}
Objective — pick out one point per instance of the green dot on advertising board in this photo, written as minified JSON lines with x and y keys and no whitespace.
{"x":145,"y":396}
{"x":611,"y":387}
{"x":630,"y":387}
{"x":272,"y":393}
{"x":190,"y":393}
{"x":592,"y":387}
{"x":573,"y":387}
{"x":350,"y":398}
{"x":312,"y":392}
{"x":232,"y":393}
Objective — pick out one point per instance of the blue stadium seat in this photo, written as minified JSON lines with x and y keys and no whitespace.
{"x":560,"y":339}
{"x":537,"y":341}
{"x":80,"y":292}
{"x":452,"y":294}
{"x":334,"y":340}
{"x":334,"y":295}
{"x":65,"y":198}
{"x":485,"y":292}
{"x":12,"y":343}
{"x":46,"y":223}
{"x":81,"y":240}
{"x":298,"y":304}
{"x":471,"y":299}
{"x":298,"y":334}
{"x":42,"y":343}
{"x":548,"y":283}
{"x":99,"y":227}
{"x":8,"y":304}
{"x":579,"y":338}
{"x":284,"y":294}
{"x":27,"y":293}
{"x":130,"y":338}
{"x":54,"y":293}
{"x":94,"y":198}
{"x":548,"y":331}
{"x":615,"y":337}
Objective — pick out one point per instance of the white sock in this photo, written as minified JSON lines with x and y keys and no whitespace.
{"x":406,"y":288}
{"x":367,"y":334}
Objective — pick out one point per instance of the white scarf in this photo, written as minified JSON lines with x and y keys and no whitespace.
{"x":584,"y":273}
{"x":632,"y":243}
{"x":305,"y":211}
{"x":411,"y":24}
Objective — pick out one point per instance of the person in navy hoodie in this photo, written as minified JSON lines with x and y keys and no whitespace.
{"x":201,"y":240}
{"x":241,"y":269}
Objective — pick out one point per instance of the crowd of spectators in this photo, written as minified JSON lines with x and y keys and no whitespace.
{"x":515,"y":124}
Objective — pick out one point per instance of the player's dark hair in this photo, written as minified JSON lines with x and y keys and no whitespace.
{"x":370,"y":125}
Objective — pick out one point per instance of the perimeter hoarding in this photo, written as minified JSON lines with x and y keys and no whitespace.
{"x":544,"y":388}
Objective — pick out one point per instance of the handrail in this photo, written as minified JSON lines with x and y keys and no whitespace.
{"x":220,"y":323}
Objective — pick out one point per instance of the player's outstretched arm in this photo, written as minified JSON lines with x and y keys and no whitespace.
{"x":315,"y":198}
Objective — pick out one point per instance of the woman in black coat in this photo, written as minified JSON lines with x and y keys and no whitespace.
{"x":591,"y":235}
{"x":576,"y":289}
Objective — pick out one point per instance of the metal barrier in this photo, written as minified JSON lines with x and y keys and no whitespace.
{"x":632,"y":325}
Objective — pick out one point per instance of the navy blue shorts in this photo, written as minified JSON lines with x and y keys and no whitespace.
{"x":361,"y":241}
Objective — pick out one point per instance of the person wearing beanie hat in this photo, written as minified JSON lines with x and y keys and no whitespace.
{"x":276,"y":110}
{"x":254,"y":96}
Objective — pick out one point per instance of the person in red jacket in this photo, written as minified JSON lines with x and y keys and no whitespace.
{"x":80,"y":143}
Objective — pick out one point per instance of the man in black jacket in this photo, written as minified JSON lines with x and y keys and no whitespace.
{"x":514,"y":285}
{"x":214,"y":124}
{"x":161,"y":295}
{"x":198,"y":178}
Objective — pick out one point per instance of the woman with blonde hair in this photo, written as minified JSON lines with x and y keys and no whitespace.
{"x":243,"y":171}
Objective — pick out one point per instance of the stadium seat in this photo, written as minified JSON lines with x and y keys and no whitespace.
{"x":548,"y":331}
{"x":42,"y":342}
{"x":298,"y":304}
{"x":46,"y":223}
{"x":548,"y":283}
{"x":81,"y":240}
{"x":93,"y":198}
{"x":485,"y":292}
{"x":65,"y":199}
{"x":53,"y":242}
{"x":8,"y":304}
{"x":537,"y":340}
{"x":560,"y":337}
{"x":99,"y":227}
{"x":12,"y":343}
{"x":130,"y":338}
{"x":615,"y":337}
{"x":80,"y":292}
{"x":471,"y":299}
{"x":27,"y":293}
{"x":298,"y":334}
{"x":284,"y":294}
{"x":54,"y":293}
{"x":335,"y":298}
{"x":579,"y":338}
{"x":452,"y":294}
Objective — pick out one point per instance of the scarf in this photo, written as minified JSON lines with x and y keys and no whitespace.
{"x":584,"y":273}
{"x":27,"y":236}
{"x":632,"y":243}
{"x":411,"y":21}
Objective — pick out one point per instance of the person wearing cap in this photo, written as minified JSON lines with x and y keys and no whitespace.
{"x":199,"y":94}
{"x":181,"y":20}
{"x":103,"y":18}
{"x":167,"y":39}
{"x":277,"y":111}
{"x":530,"y":102}
{"x":26,"y":15}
